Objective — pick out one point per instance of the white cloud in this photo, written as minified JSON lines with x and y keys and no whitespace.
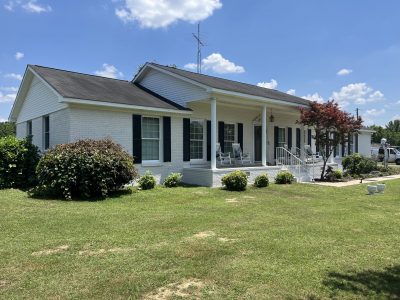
{"x":33,"y":6}
{"x":314,"y":97}
{"x":358,"y":93}
{"x":13,"y":76}
{"x":217,"y":64}
{"x":5,"y":98}
{"x":8,"y":88}
{"x":396,"y":117}
{"x":398,"y":102}
{"x":273,"y":84}
{"x":162,"y":13}
{"x":109,"y":71}
{"x":3,"y":120}
{"x":375,"y":112}
{"x":344,"y":72}
{"x":19,"y":55}
{"x":291,"y":92}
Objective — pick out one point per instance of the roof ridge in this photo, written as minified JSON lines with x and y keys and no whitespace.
{"x":68,"y":71}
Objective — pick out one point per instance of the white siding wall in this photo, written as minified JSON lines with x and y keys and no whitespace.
{"x":364,"y":143}
{"x":21,"y":130}
{"x":40,"y":100}
{"x":172,"y":88}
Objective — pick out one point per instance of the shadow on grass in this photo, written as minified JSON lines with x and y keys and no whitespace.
{"x":381,"y":284}
{"x":112,"y":195}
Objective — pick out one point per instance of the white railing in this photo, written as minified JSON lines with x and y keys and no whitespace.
{"x":285,"y":157}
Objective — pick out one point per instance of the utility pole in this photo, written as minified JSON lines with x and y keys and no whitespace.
{"x":199,"y":45}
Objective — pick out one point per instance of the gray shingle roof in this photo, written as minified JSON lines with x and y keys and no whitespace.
{"x":90,"y":87}
{"x":234,"y":86}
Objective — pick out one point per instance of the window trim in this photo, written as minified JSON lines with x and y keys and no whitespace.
{"x":45,"y":147}
{"x":159,"y":161}
{"x":204,"y":159}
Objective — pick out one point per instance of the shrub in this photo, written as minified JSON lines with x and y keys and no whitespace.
{"x":333,"y":175}
{"x":261,"y":181}
{"x":147,"y":181}
{"x":284,"y":177}
{"x":235,"y":181}
{"x":84,"y":169}
{"x":356,"y":164}
{"x":173,"y":180}
{"x":18,"y":160}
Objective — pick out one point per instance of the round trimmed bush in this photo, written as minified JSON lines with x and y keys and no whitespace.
{"x":235,"y":181}
{"x":18,"y":160}
{"x":356,"y":164}
{"x":84,"y":169}
{"x":173,"y":180}
{"x":284,"y":177}
{"x":261,"y":181}
{"x":147,"y":181}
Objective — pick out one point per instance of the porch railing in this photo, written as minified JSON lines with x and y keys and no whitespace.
{"x":285,"y":157}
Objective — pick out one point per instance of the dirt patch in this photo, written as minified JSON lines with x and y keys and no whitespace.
{"x":231,"y":200}
{"x":103,"y":251}
{"x":249,"y":197}
{"x":4,"y":284}
{"x":56,"y":250}
{"x":204,"y":235}
{"x":189,"y":288}
{"x":226,"y":240}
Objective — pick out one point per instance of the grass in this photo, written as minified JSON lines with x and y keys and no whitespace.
{"x":294,"y":241}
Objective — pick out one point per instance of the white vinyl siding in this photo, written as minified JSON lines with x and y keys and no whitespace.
{"x":172,"y":88}
{"x":151,"y":139}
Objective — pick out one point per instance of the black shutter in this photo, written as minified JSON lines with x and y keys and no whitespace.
{"x":167,"y":138}
{"x":343,"y":146}
{"x":348,"y":144}
{"x":221,"y":131}
{"x":186,"y":139}
{"x":240,"y":135}
{"x":289,"y":136}
{"x":309,"y":137}
{"x":208,"y":140}
{"x":137,"y":138}
{"x":276,"y":139}
{"x":298,"y":139}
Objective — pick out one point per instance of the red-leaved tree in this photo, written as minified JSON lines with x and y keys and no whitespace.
{"x":332,"y":126}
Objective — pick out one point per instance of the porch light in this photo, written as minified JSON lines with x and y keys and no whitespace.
{"x":271,"y":117}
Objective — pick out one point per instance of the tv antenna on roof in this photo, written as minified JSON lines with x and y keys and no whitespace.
{"x":199,"y":45}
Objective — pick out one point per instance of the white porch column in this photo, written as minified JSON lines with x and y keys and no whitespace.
{"x":302,"y":136}
{"x":264,"y":136}
{"x":213,"y":133}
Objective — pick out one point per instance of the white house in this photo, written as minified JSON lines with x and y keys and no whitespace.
{"x":171,"y":120}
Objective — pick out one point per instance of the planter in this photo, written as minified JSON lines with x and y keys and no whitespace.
{"x":380,"y":187}
{"x":372,"y":189}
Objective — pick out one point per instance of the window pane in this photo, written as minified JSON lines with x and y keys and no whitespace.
{"x":196,"y":149}
{"x":196,"y":139}
{"x":150,"y":149}
{"x":151,"y":128}
{"x":281,"y":137}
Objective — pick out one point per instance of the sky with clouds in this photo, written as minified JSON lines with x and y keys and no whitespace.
{"x":343,"y":50}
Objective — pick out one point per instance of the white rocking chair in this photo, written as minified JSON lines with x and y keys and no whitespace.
{"x":243,"y":158}
{"x":223,"y":158}
{"x":310,"y":156}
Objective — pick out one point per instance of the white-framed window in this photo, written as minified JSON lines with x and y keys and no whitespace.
{"x":197,"y":139}
{"x":281,"y":137}
{"x":46,"y":132}
{"x":28,"y":128}
{"x":229,"y":137}
{"x":151,"y":145}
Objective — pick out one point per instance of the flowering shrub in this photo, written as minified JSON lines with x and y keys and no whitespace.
{"x":261,"y":181}
{"x":147,"y":181}
{"x":235,"y":181}
{"x":284,"y":177}
{"x":173,"y":180}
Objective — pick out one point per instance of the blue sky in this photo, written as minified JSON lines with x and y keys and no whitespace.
{"x":348,"y":50}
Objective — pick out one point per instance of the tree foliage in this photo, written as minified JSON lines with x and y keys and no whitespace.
{"x":7,"y":129}
{"x":332,"y":126}
{"x":391,"y":132}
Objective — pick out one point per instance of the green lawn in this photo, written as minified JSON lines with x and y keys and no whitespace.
{"x":298,"y":241}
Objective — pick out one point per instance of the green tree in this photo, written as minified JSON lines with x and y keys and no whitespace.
{"x":7,"y":129}
{"x":393,"y":126}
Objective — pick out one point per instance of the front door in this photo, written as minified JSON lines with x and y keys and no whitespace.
{"x":257,"y":142}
